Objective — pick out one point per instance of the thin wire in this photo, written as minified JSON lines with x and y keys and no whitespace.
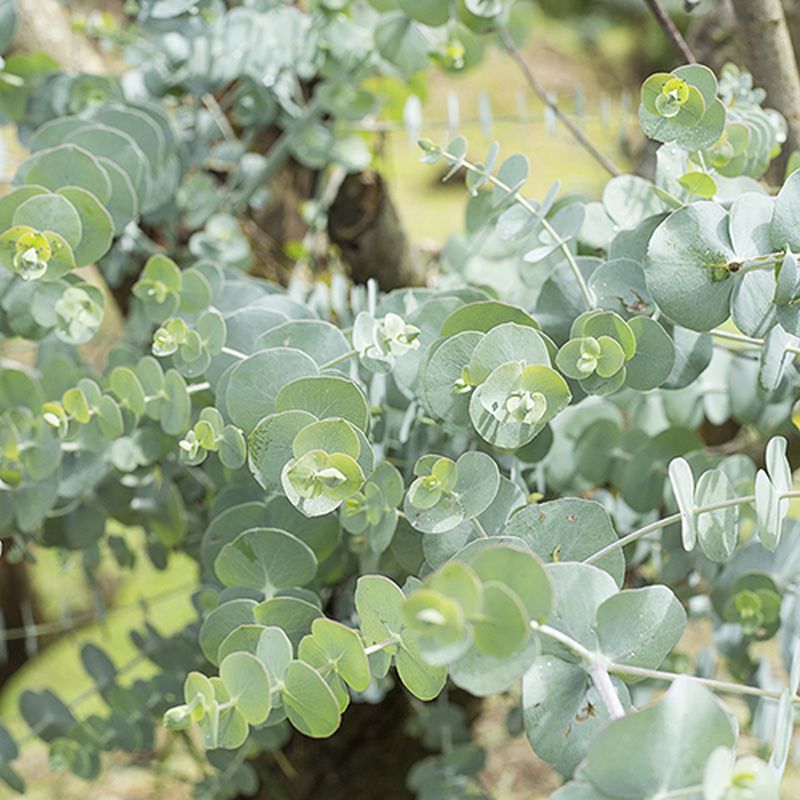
{"x":82,"y":620}
{"x":548,"y":100}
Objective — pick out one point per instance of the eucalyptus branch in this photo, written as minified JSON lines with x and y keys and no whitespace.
{"x":605,"y":688}
{"x":479,"y":529}
{"x":376,"y":648}
{"x":339,"y":359}
{"x":229,"y":351}
{"x":748,"y":341}
{"x":495,"y":181}
{"x":547,"y":99}
{"x":723,"y":687}
{"x":671,"y":31}
{"x":662,"y":523}
{"x":598,"y":667}
{"x":640,"y":533}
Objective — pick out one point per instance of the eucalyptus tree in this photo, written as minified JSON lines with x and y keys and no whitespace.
{"x":491,"y":483}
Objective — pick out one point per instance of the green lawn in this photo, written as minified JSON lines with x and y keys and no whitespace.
{"x":143,"y":593}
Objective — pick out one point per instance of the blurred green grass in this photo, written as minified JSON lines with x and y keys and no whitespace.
{"x":143,"y":593}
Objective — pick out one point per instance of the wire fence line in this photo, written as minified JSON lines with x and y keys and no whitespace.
{"x":30,"y":631}
{"x":610,"y":113}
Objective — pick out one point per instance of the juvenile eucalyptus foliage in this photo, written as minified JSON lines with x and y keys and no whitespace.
{"x":494,"y":482}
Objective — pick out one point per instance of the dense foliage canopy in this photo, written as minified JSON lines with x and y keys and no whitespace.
{"x":492,"y":481}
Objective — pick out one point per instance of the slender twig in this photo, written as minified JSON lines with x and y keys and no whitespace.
{"x":547,"y":99}
{"x":595,"y":661}
{"x":218,"y":115}
{"x":339,"y":359}
{"x":563,"y":246}
{"x":378,"y":646}
{"x":663,"y":523}
{"x":749,"y":341}
{"x":564,"y":639}
{"x":479,"y":529}
{"x":723,"y":687}
{"x":229,"y":351}
{"x":672,"y":518}
{"x":740,"y":338}
{"x":671,"y":31}
{"x":605,"y":688}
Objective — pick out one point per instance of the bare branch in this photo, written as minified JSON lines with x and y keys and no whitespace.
{"x":672,"y":32}
{"x":540,"y":92}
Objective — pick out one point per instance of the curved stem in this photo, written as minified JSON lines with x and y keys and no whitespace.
{"x":338,"y":360}
{"x":631,"y":537}
{"x":479,"y":529}
{"x":663,"y":523}
{"x":671,"y":31}
{"x":495,"y":181}
{"x":564,"y":639}
{"x":602,"y":682}
{"x":748,"y":341}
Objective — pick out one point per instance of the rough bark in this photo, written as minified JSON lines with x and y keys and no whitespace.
{"x":364,"y":225}
{"x":768,"y":53}
{"x":43,"y":25}
{"x":281,"y":220}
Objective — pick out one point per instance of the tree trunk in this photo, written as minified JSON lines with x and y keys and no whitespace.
{"x":43,"y":25}
{"x":768,"y":52}
{"x":364,"y":225}
{"x":369,"y":758}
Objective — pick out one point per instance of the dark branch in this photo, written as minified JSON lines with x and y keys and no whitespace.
{"x":673,"y":34}
{"x":540,"y":92}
